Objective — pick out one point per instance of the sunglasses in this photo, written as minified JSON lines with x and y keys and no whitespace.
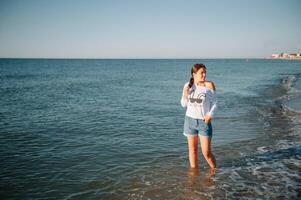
{"x":192,"y":100}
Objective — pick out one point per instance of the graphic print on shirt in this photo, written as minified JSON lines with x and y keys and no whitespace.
{"x":198,"y":99}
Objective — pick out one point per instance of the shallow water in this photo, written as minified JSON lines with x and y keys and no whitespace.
{"x":112,"y":129}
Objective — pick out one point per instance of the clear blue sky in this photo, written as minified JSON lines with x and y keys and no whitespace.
{"x":149,"y":28}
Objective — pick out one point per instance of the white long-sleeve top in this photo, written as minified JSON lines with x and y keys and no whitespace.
{"x":201,"y":101}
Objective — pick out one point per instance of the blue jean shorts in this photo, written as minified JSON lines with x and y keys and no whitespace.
{"x":194,"y":127}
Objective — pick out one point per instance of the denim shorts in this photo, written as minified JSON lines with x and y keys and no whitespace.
{"x":194,"y":127}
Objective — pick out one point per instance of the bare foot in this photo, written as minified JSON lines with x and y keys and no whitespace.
{"x":212,"y":171}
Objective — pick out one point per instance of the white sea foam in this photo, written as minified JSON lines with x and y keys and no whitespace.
{"x":263,"y":177}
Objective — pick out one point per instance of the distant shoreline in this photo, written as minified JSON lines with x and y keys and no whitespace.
{"x":283,"y":58}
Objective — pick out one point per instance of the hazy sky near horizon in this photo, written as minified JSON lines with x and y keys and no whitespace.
{"x":149,"y":29}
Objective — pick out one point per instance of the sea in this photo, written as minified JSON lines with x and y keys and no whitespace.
{"x":113,"y":129}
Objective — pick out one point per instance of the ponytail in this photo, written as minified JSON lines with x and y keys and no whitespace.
{"x":191,"y":82}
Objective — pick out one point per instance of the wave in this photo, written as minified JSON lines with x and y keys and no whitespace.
{"x":291,"y":99}
{"x":268,"y":167}
{"x":262,"y":175}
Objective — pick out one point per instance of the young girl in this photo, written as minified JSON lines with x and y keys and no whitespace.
{"x":200,"y":99}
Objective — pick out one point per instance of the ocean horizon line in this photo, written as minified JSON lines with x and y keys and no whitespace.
{"x":54,"y":58}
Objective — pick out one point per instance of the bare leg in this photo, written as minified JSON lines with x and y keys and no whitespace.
{"x":206,"y":150}
{"x":193,"y":151}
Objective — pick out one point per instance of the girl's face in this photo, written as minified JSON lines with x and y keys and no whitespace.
{"x":200,"y":75}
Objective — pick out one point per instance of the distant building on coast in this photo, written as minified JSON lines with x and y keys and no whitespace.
{"x":286,"y":56}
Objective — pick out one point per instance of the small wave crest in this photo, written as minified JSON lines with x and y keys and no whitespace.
{"x":288,"y":82}
{"x":292,"y":100}
{"x":284,"y":98}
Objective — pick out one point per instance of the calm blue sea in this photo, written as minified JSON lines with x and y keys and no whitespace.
{"x":112,"y":129}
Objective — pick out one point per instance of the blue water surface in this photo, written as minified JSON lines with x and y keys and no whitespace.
{"x":75,"y":126}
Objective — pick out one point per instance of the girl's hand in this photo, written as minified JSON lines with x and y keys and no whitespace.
{"x":207,"y":119}
{"x":186,"y":91}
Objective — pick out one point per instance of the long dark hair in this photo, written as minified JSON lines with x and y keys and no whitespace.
{"x":194,"y":69}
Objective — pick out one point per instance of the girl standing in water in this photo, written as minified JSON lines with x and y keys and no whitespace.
{"x":200,"y":99}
